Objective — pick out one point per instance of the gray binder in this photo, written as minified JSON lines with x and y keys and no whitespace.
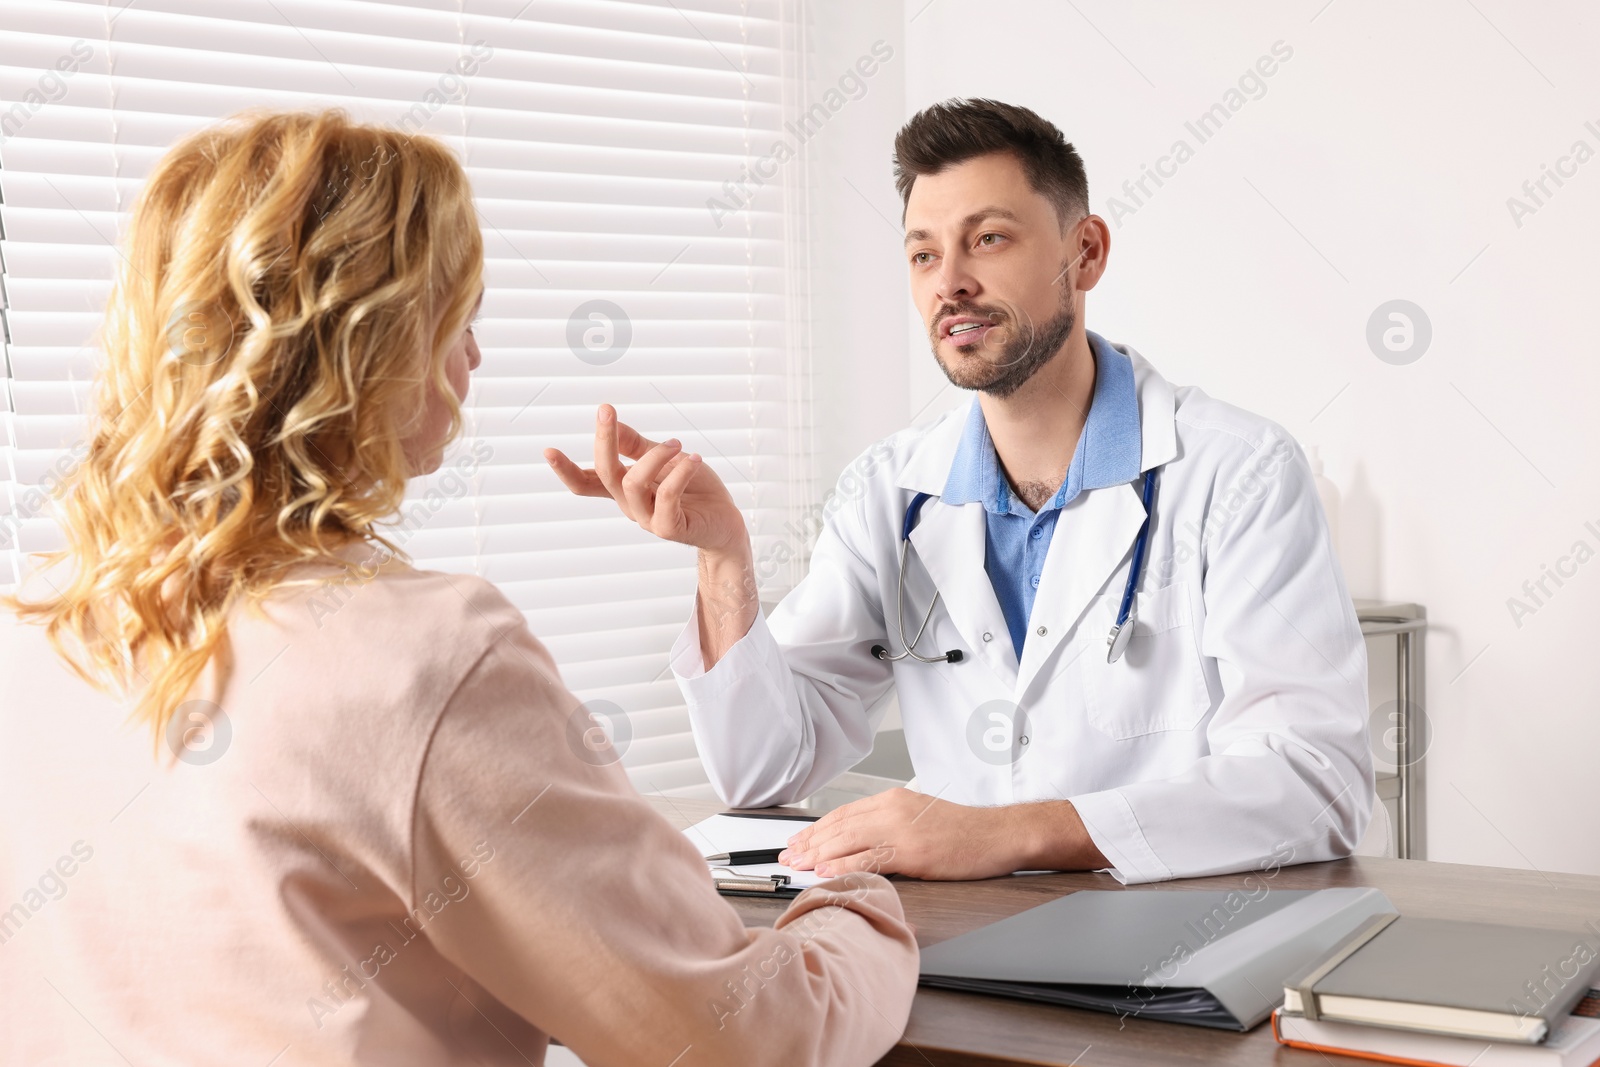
{"x":1205,"y":957}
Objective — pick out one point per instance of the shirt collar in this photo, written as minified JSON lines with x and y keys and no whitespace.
{"x":1107,"y":452}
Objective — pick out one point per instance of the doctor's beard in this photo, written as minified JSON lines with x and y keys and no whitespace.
{"x":1025,"y":349}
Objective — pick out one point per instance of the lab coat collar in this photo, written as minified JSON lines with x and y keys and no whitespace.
{"x":927,"y":468}
{"x":1093,"y":539}
{"x":1092,"y":542}
{"x":950,"y":542}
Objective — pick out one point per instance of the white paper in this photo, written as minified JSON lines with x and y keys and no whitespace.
{"x":731,"y":833}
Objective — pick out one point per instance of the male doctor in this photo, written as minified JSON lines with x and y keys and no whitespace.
{"x":1230,"y":731}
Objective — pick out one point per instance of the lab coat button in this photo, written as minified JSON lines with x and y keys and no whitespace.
{"x":988,"y":637}
{"x":1042,"y":631}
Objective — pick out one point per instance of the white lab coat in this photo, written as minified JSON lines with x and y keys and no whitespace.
{"x":1231,"y":735}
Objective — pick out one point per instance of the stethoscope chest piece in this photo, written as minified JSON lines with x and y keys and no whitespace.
{"x":1118,"y":639}
{"x":1122,"y":632}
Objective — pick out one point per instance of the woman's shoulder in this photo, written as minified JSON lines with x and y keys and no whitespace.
{"x":383,"y":635}
{"x":383,"y":590}
{"x":337,"y":680}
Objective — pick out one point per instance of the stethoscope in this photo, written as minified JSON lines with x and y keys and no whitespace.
{"x":1116,"y":640}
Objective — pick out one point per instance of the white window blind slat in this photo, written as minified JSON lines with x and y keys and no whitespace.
{"x":594,"y":133}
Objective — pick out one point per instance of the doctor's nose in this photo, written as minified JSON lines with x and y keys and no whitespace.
{"x":956,"y":282}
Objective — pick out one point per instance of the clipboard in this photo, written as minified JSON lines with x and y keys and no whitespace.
{"x":768,"y":815}
{"x":714,"y":835}
{"x":739,"y":885}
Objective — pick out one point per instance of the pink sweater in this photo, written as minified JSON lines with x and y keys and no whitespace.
{"x":394,"y":852}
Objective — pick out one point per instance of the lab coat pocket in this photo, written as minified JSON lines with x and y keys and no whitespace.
{"x":1158,"y":684}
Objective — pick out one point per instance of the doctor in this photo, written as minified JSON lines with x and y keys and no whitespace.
{"x":1224,"y":729}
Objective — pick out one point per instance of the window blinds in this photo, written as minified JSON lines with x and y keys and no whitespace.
{"x":636,"y":254}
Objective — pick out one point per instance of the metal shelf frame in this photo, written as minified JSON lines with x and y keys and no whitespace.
{"x":1408,"y":624}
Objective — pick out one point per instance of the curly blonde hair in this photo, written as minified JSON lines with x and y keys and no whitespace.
{"x":289,"y":287}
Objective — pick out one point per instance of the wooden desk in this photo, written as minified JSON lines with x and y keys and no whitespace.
{"x":948,"y":1029}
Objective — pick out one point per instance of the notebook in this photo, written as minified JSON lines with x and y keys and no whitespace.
{"x":1572,"y":1042}
{"x":1214,"y":958}
{"x":733,"y":832}
{"x":1443,"y":976}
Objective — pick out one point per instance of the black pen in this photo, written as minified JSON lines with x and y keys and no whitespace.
{"x":738,"y":859}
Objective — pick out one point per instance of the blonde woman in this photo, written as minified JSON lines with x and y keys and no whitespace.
{"x":399,"y":856}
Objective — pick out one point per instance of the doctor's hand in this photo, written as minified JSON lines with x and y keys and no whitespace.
{"x":668,"y":492}
{"x":904,"y":832}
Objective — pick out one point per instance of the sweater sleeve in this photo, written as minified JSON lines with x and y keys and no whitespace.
{"x":575,"y":904}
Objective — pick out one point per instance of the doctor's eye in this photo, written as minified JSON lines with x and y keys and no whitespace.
{"x":922,"y":259}
{"x":985,"y":239}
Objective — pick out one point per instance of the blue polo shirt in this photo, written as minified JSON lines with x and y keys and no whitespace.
{"x":1017,"y":540}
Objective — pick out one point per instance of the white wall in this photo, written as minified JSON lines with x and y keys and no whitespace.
{"x":858,"y":299}
{"x":861,"y":357}
{"x":1375,"y":165}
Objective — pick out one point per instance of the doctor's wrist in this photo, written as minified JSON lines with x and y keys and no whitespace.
{"x":1050,"y":836}
{"x":728,"y":576}
{"x":729,"y":601}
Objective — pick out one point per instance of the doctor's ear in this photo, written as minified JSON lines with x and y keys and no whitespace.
{"x":1088,"y":246}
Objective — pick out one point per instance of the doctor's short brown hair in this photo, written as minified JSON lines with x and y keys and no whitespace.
{"x":956,"y":130}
